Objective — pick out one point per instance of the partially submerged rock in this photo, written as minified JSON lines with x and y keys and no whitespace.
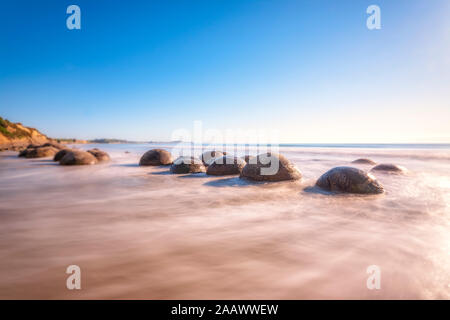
{"x":60,"y":154}
{"x":41,"y":152}
{"x":225,"y":165}
{"x":187,"y":165}
{"x":77,"y":157}
{"x":270,"y":167}
{"x":364,"y":161}
{"x":349,"y":180}
{"x":101,"y":156}
{"x":247,"y":158}
{"x":389,"y":167}
{"x":209,"y":156}
{"x":56,"y":145}
{"x":156,"y":157}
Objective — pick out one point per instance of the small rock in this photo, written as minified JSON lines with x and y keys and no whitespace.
{"x":388,"y":167}
{"x":364,"y":161}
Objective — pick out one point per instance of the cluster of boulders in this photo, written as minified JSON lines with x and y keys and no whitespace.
{"x":48,"y":149}
{"x":271,"y":167}
{"x":64,"y":155}
{"x":263,"y":167}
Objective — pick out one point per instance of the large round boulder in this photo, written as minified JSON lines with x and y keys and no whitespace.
{"x":40,"y":152}
{"x":77,"y":157}
{"x":101,"y":156}
{"x":60,"y":154}
{"x":209,"y":156}
{"x":270,"y":167}
{"x":364,"y":161}
{"x":156,"y":157}
{"x":225,"y":165}
{"x":187,"y":165}
{"x":388,"y":167}
{"x":349,"y":180}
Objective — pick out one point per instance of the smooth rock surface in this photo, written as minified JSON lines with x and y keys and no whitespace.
{"x":270,"y":167}
{"x":225,"y":165}
{"x":77,"y":157}
{"x":349,"y":180}
{"x":187,"y":165}
{"x":156,"y":157}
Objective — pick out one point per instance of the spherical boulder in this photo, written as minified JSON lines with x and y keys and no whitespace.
{"x":187,"y":165}
{"x":225,"y":165}
{"x":77,"y":157}
{"x":389,"y":167}
{"x":270,"y":167}
{"x":40,"y":152}
{"x":101,"y":156}
{"x":60,"y":154}
{"x":349,"y":180}
{"x":364,"y":161}
{"x":156,"y":157}
{"x":209,"y":156}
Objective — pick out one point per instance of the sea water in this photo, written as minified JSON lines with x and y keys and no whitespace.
{"x":143,"y":233}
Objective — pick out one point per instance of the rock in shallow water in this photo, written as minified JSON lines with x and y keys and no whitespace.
{"x":225,"y":166}
{"x":364,"y":161}
{"x":270,"y":167}
{"x":388,"y":167}
{"x":349,"y":180}
{"x":77,"y":157}
{"x":40,"y":152}
{"x":187,"y":165}
{"x":100,"y":155}
{"x":156,"y":157}
{"x":60,"y":154}
{"x":209,"y":156}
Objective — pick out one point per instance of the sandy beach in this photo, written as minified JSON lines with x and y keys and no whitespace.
{"x":143,"y":233}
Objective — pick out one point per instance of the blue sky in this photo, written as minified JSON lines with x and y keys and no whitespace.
{"x":310,"y":70}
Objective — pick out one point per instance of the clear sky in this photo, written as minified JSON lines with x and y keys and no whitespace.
{"x":310,"y":70}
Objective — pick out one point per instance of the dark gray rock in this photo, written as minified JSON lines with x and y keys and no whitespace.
{"x":388,"y":167}
{"x":364,"y":161}
{"x":225,"y":165}
{"x":349,"y":180}
{"x":156,"y":157}
{"x":270,"y":167}
{"x":187,"y":165}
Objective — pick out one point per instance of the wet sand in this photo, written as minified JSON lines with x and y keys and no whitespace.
{"x":142,"y":233}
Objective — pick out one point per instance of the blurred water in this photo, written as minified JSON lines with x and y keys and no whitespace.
{"x":140,"y":232}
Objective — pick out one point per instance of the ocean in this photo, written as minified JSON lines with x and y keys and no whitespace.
{"x":143,"y":233}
